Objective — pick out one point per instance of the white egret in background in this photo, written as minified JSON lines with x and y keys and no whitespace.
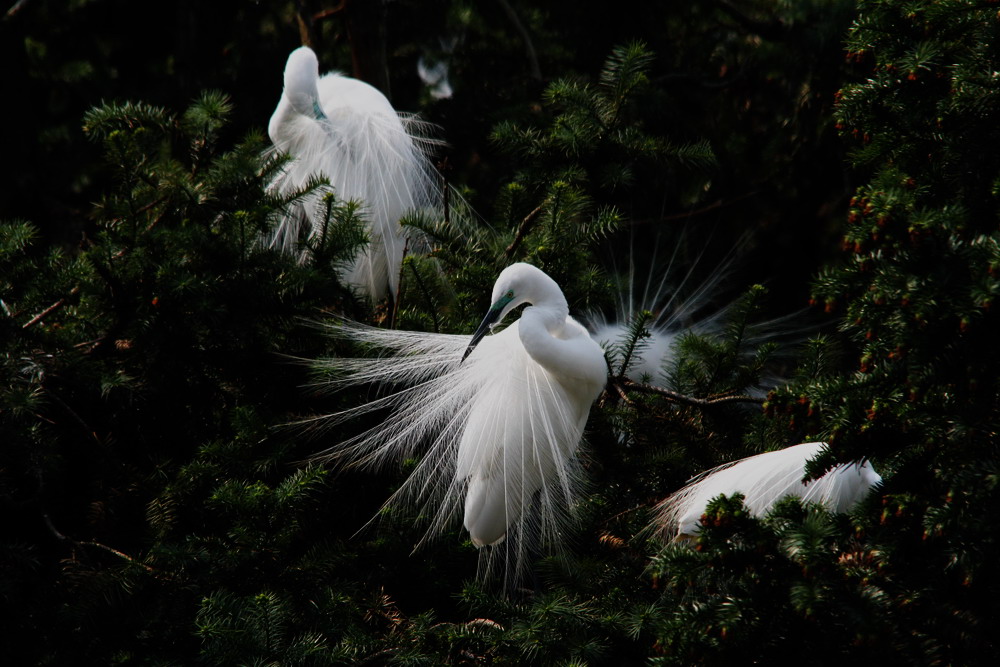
{"x":677,"y":309}
{"x":763,"y":480}
{"x":683,"y":303}
{"x":347,"y":131}
{"x":499,"y":417}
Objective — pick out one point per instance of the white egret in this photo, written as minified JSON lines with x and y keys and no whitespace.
{"x":347,"y":131}
{"x":501,"y":416}
{"x":763,"y":480}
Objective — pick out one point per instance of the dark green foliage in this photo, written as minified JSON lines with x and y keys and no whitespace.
{"x":160,"y":510}
{"x":911,"y":580}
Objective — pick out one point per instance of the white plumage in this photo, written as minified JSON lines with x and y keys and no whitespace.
{"x":499,"y":426}
{"x":347,"y":131}
{"x":765,"y":479}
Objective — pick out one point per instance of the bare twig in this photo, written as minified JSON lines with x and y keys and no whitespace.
{"x":51,"y":309}
{"x":399,"y":288}
{"x":622,"y":384}
{"x":72,"y":413}
{"x":111,"y":550}
{"x":529,"y":47}
{"x":718,"y":204}
{"x":326,"y":13}
{"x":523,"y":229}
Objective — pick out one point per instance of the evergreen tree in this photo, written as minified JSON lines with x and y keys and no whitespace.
{"x":160,"y":509}
{"x":909,"y":579}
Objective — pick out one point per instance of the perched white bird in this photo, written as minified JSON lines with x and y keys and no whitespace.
{"x":501,"y":416}
{"x":763,"y":480}
{"x":347,"y":131}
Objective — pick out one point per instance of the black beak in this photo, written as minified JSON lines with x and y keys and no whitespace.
{"x":484,"y":328}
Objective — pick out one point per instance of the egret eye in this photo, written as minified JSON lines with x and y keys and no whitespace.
{"x":510,"y":294}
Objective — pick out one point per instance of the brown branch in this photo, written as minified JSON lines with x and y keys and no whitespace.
{"x":111,"y":550}
{"x":51,"y":309}
{"x":622,"y":384}
{"x":523,"y":229}
{"x":621,"y":393}
{"x":326,"y":13}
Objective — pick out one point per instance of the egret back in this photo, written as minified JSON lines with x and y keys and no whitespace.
{"x":763,"y":480}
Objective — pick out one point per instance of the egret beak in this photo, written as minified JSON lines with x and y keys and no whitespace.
{"x":488,"y":322}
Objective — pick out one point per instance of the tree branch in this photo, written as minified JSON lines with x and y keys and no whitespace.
{"x":51,"y":309}
{"x":77,"y":543}
{"x":622,"y":384}
{"x":529,"y":47}
{"x":523,"y":229}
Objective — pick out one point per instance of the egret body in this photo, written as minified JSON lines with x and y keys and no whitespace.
{"x":503,"y":414}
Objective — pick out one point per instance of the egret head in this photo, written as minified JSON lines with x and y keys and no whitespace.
{"x":517,"y":284}
{"x":301,"y":77}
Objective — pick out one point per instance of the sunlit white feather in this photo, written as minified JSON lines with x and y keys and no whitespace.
{"x":763,"y":480}
{"x":498,"y":432}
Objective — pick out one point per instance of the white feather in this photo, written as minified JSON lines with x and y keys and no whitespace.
{"x":347,"y":131}
{"x":497,"y":432}
{"x":765,"y":479}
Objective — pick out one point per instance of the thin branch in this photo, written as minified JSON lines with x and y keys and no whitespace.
{"x":51,"y":309}
{"x":77,"y":418}
{"x":523,"y":229}
{"x":399,"y":288}
{"x":111,"y":550}
{"x":326,"y":13}
{"x":621,"y":393}
{"x":718,"y":204}
{"x":622,"y":384}
{"x":529,"y":47}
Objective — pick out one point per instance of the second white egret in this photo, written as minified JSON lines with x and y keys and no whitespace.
{"x":347,"y":131}
{"x":763,"y":480}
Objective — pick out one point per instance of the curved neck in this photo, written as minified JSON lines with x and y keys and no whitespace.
{"x":301,"y":78}
{"x":550,"y":315}
{"x":548,"y":303}
{"x":542,"y":328}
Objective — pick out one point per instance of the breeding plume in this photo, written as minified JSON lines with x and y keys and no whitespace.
{"x":764,"y":480}
{"x":346,"y":131}
{"x":501,"y":416}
